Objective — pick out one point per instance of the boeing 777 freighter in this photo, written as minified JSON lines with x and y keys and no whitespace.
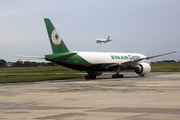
{"x":94,"y":63}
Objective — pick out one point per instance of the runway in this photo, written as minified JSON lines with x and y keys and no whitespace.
{"x":155,"y":96}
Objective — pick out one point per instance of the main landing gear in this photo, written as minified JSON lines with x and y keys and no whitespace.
{"x":117,"y":76}
{"x":90,"y":77}
{"x":92,"y":74}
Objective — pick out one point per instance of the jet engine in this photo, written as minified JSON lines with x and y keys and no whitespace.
{"x":142,"y":69}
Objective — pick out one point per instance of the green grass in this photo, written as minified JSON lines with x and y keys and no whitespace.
{"x":161,"y":67}
{"x":31,"y":74}
{"x":36,"y":77}
{"x":166,"y":67}
{"x":57,"y":69}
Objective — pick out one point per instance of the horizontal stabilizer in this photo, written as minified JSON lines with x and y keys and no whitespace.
{"x":66,"y":56}
{"x":36,"y":57}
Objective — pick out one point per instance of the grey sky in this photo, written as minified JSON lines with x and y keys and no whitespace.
{"x":149,"y":27}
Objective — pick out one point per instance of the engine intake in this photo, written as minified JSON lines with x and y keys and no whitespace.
{"x":142,"y":69}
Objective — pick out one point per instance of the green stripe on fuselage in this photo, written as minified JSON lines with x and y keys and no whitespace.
{"x":75,"y":59}
{"x":76,"y":62}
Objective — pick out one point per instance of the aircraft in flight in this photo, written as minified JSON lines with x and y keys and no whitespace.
{"x":100,"y":40}
{"x":94,"y":63}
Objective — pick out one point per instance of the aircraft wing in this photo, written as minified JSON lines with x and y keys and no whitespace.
{"x":146,"y":58}
{"x":160,"y":55}
{"x":134,"y":62}
{"x":125,"y":64}
{"x":113,"y":65}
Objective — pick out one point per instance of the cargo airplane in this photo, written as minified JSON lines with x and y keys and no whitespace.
{"x":94,"y":63}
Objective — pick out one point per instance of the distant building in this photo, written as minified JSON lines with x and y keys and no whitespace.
{"x":9,"y":64}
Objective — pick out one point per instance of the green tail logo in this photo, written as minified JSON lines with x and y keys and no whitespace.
{"x":56,"y":41}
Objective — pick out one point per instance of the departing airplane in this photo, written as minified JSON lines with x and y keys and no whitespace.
{"x":94,"y":63}
{"x":100,"y":40}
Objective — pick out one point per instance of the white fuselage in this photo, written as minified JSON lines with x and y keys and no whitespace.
{"x":99,"y":40}
{"x":108,"y":57}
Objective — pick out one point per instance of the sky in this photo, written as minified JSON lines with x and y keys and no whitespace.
{"x":149,"y":27}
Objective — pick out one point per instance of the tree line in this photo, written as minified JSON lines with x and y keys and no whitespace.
{"x":166,"y":61}
{"x":19,"y":63}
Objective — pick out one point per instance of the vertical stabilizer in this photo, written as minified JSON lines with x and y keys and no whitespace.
{"x":108,"y":37}
{"x":56,"y":41}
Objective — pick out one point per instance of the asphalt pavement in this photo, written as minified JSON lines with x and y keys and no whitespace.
{"x":155,"y":96}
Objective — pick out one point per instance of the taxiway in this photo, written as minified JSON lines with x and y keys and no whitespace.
{"x":155,"y":96}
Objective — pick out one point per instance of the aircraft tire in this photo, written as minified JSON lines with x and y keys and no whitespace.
{"x":90,"y":77}
{"x":118,"y":76}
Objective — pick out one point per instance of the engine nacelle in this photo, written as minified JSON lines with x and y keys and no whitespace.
{"x":143,"y":69}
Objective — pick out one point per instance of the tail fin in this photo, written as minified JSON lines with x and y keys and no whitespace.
{"x":108,"y":37}
{"x":57,"y":43}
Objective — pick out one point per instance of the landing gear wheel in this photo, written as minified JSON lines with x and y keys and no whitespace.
{"x":90,"y":77}
{"x":117,"y":76}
